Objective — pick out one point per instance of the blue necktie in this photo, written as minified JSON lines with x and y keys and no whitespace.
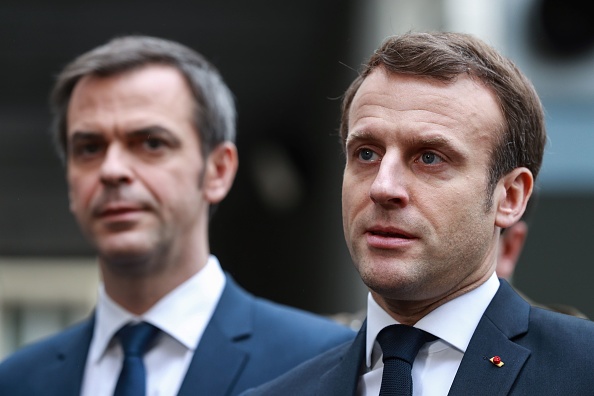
{"x":400,"y":345}
{"x":135,"y":341}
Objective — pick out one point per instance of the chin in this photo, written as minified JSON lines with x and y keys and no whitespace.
{"x":125,"y":247}
{"x":129,"y":261}
{"x":391,"y":281}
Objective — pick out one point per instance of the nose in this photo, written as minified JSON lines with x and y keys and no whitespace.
{"x":115,"y":168}
{"x":389,"y":188}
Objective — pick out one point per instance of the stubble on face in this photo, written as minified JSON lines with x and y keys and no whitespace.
{"x":428,"y":274}
{"x":145,"y":209}
{"x":442,"y":207}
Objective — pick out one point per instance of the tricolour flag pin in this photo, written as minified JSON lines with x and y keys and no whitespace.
{"x":496,"y":360}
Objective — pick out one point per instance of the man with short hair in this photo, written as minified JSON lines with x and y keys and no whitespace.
{"x":146,"y":127}
{"x":443,"y":138}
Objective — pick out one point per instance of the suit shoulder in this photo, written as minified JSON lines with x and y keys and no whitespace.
{"x":299,"y":323}
{"x":555,"y":322}
{"x":40,"y":352}
{"x":561,"y":337}
{"x":276,"y":337}
{"x":559,"y":323}
{"x":278,"y":321}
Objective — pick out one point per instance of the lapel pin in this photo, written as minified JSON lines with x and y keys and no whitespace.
{"x":496,"y":360}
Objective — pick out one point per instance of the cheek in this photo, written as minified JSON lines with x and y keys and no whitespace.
{"x":355,"y":203}
{"x":453,"y":202}
{"x":172,"y":187}
{"x":355,"y":188}
{"x":349,"y":197}
{"x":80,"y":192}
{"x":446,"y":216}
{"x":462,"y":218}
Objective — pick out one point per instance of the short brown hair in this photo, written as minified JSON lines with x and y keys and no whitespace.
{"x":215,"y":112}
{"x":444,"y":56}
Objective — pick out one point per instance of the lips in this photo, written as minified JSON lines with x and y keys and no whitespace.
{"x":389,"y":238}
{"x":116,"y":209}
{"x":389,"y":232}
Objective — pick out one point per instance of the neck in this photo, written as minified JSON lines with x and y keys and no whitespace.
{"x":410,"y":312}
{"x":138,"y":283}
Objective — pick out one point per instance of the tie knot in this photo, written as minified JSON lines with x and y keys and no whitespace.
{"x":402,"y":342}
{"x":136,"y":338}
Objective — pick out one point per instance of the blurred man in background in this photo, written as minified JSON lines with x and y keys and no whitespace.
{"x":511,"y":244}
{"x":146,"y":127}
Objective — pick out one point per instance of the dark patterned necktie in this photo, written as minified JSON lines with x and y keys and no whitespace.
{"x":400,"y":345}
{"x":135,"y":341}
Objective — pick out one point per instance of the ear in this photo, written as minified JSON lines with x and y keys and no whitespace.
{"x":514,"y":190}
{"x":221,"y":168}
{"x":511,"y":244}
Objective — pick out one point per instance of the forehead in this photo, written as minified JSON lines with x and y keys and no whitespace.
{"x":157,"y":88}
{"x":464,"y":108}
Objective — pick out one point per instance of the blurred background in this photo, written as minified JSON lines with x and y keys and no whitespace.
{"x":279,"y":232}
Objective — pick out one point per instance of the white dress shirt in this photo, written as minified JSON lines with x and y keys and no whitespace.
{"x":182,"y":316}
{"x":436,"y":364}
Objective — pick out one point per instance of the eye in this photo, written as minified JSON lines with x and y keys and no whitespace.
{"x":153,"y":144}
{"x":430,"y":158}
{"x":367,"y":155}
{"x":87,"y":149}
{"x":91,"y":148}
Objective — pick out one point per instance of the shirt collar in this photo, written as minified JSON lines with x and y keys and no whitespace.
{"x":183,"y":321}
{"x":453,"y":322}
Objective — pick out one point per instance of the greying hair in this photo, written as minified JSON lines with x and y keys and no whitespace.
{"x":444,"y":56}
{"x":214,"y":107}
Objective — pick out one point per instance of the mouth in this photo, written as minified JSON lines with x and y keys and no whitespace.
{"x":390,"y":233}
{"x":388,"y":238}
{"x":114,"y":210}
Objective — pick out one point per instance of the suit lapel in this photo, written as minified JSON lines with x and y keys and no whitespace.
{"x":65,"y":374}
{"x":218,"y":361}
{"x":505,"y":318}
{"x":342,"y":379}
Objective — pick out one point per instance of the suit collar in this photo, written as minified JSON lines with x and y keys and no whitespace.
{"x":218,"y":360}
{"x":65,"y":373}
{"x":509,"y":311}
{"x":505,"y":319}
{"x":342,"y":379}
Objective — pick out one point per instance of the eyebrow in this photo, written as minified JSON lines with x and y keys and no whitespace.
{"x":442,"y":143}
{"x":83,"y":136}
{"x":145,"y":132}
{"x":154,"y":130}
{"x":432,"y":141}
{"x":360,"y":135}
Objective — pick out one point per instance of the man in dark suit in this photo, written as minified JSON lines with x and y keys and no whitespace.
{"x":443,"y":139}
{"x":146,"y":127}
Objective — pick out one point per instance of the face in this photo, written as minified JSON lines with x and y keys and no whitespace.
{"x":414,"y":188}
{"x":134,"y":164}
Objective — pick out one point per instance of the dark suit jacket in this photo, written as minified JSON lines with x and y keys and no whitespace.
{"x":247,"y":342}
{"x":544,"y":353}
